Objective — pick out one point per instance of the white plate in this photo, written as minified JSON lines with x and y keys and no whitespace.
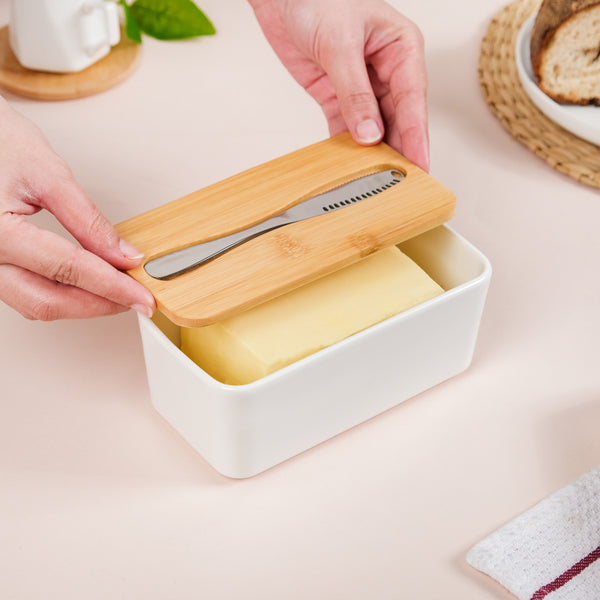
{"x":583,"y":121}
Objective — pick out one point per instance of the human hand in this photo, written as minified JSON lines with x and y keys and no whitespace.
{"x":362,"y":61}
{"x":43,"y":275}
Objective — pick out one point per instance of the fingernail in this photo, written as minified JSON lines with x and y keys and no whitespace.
{"x":131,"y":252}
{"x":368,"y":132}
{"x":144,"y":310}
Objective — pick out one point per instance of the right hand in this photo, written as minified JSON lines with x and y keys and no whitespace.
{"x":362,"y":61}
{"x":43,"y":275}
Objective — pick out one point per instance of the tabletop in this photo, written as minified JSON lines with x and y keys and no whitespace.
{"x":100,"y":498}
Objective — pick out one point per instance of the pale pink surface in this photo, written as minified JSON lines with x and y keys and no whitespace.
{"x":100,"y":499}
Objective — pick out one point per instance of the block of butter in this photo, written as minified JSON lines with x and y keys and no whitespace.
{"x":252,"y":344}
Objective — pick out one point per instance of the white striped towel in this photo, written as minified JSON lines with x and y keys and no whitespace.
{"x":552,"y":551}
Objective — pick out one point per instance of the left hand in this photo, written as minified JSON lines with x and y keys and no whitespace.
{"x":44,"y":275}
{"x":362,"y":61}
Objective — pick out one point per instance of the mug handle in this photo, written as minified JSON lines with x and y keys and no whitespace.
{"x":99,"y":25}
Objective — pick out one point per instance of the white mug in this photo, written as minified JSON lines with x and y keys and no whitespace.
{"x":62,"y":36}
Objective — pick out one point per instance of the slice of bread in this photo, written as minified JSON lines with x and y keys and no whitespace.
{"x":565,"y":50}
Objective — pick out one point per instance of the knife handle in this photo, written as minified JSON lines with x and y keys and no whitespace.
{"x":178,"y":262}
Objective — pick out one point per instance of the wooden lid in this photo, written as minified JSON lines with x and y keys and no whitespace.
{"x":286,"y":258}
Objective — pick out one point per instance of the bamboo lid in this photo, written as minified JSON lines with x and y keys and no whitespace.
{"x":281,"y":260}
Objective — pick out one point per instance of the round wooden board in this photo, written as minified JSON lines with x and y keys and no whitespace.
{"x":104,"y":74}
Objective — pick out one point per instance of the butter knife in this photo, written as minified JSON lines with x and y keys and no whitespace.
{"x":178,"y":262}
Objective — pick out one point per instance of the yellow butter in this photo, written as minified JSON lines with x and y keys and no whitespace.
{"x":248,"y":346}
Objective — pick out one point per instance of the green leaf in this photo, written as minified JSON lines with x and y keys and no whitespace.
{"x":132,"y":29}
{"x":171,"y":19}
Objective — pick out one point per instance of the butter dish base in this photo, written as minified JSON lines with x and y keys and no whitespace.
{"x":243,"y":430}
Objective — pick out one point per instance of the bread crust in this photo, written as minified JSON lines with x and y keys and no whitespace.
{"x":551,"y":15}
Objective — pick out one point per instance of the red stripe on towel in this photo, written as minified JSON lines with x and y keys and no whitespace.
{"x":585,"y":562}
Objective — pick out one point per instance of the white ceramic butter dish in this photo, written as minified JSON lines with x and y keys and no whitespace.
{"x":243,"y":430}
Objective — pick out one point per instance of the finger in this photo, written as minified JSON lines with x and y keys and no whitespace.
{"x":322,"y":90}
{"x":411,"y":124}
{"x":347,"y":71}
{"x":38,"y":298}
{"x":408,"y":93}
{"x":65,"y":199}
{"x":57,"y":259}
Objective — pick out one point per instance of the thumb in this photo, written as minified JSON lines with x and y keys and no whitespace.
{"x":357,"y":101}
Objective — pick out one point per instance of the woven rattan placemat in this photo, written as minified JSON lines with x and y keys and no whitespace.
{"x":507,"y":99}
